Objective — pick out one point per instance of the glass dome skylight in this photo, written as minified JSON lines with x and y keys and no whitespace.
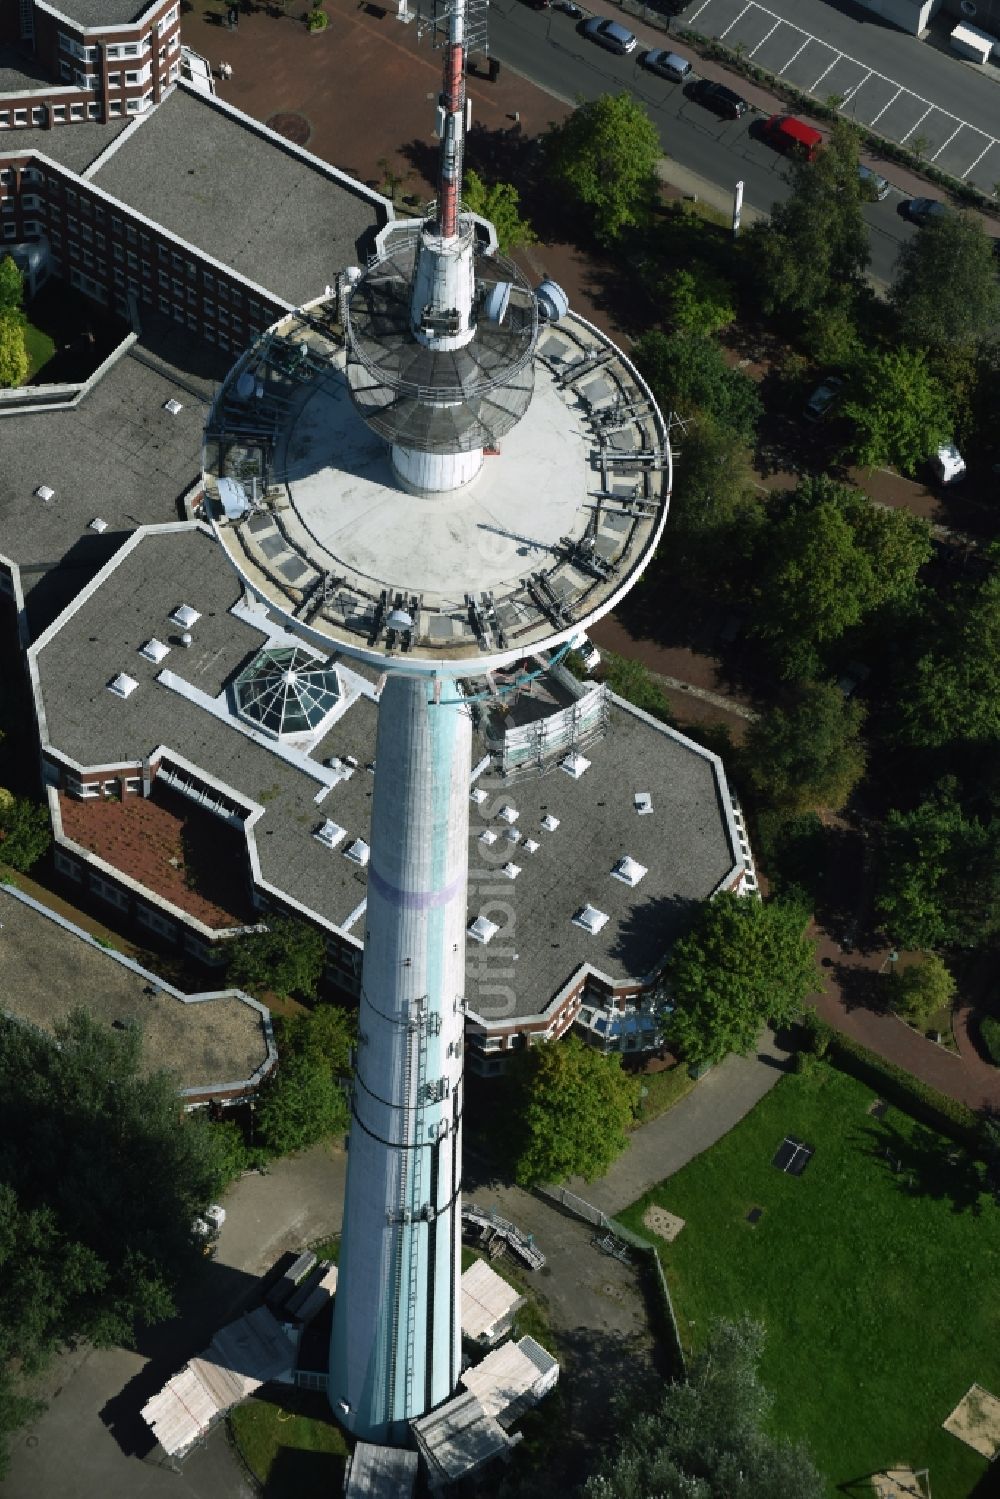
{"x":286,"y":691}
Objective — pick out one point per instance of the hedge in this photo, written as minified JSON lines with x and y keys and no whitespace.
{"x":892,"y":1083}
{"x":989,"y":1030}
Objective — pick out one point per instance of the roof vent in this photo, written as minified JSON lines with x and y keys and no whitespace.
{"x":508,"y":814}
{"x":98,"y":525}
{"x":173,"y":407}
{"x":154,"y":650}
{"x":628,"y":871}
{"x":341,"y":770}
{"x":529,"y":845}
{"x":187,"y":640}
{"x":358,"y":852}
{"x":512,"y":835}
{"x":488,"y":837}
{"x":478,"y":796}
{"x":590,"y":919}
{"x":184,"y":616}
{"x":330,"y":833}
{"x":482,"y":930}
{"x":643,"y":803}
{"x":550,"y":823}
{"x":511,"y":871}
{"x":45,"y":494}
{"x":123,"y":685}
{"x":574,"y":765}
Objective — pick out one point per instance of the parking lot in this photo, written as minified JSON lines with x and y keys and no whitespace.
{"x":819,"y":68}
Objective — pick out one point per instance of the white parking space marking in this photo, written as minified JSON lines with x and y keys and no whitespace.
{"x":948,"y":142}
{"x":903,"y":103}
{"x":765,"y":38}
{"x":829,"y":68}
{"x":785,"y":66}
{"x":742,"y":13}
{"x":904,"y":138}
{"x":885,"y":107}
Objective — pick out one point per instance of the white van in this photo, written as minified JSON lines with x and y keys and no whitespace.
{"x":587,"y":651}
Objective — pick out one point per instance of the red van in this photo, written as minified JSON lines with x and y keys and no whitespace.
{"x":793,"y":137}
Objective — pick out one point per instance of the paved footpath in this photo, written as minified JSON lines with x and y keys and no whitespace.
{"x":695,"y":1123}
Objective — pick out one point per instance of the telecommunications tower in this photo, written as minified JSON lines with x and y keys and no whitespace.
{"x":353,"y":471}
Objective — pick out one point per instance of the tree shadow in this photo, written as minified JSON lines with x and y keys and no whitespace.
{"x":921,"y":1164}
{"x":297,"y":1471}
{"x":862,"y":988}
{"x":650,"y":927}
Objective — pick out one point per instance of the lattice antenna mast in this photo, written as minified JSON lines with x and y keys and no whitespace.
{"x":453,"y":125}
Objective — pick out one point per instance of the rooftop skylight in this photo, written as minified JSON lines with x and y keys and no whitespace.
{"x":511,"y":871}
{"x":287,"y":691}
{"x":482,"y":930}
{"x":508,"y":814}
{"x":330,"y":833}
{"x":123,"y":685}
{"x":643,"y":803}
{"x":358,"y":852}
{"x":574,"y":765}
{"x":550,"y":823}
{"x":628,"y":871}
{"x":590,"y":919}
{"x":184,"y":616}
{"x":154,"y":650}
{"x":173,"y":407}
{"x":488,"y":837}
{"x":478,"y":795}
{"x":529,"y":845}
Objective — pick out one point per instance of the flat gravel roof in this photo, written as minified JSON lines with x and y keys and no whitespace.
{"x":281,"y":218}
{"x":685,"y":844}
{"x":75,"y":145}
{"x":102,"y":12}
{"x":46,"y":971}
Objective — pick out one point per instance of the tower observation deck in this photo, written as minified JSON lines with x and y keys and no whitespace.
{"x":442,"y":472}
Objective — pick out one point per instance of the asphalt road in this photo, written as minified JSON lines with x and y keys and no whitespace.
{"x":546,"y":47}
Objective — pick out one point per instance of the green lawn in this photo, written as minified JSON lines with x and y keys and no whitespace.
{"x":291,"y":1443}
{"x":40,"y":348}
{"x":880,"y":1291}
{"x":663,"y":1090}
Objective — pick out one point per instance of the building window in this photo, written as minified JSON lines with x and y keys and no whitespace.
{"x":93,"y":111}
{"x":130,"y":49}
{"x":65,"y":72}
{"x":147,"y":271}
{"x":114,"y":80}
{"x":66,"y":865}
{"x":179,"y":315}
{"x":116,"y":250}
{"x":144,"y":243}
{"x":133,"y":260}
{"x":132,"y":107}
{"x":192,"y":294}
{"x":59,"y":114}
{"x":76,"y":111}
{"x":114,"y":110}
{"x":154,"y":921}
{"x":165,"y":306}
{"x":38,"y":115}
{"x":101,"y":241}
{"x":20,"y":117}
{"x":71,"y":224}
{"x":116,"y":225}
{"x":107,"y":892}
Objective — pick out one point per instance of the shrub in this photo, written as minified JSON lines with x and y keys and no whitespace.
{"x":317,"y":20}
{"x":989,"y":1030}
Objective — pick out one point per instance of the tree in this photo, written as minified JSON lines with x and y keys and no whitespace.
{"x":922,"y":989}
{"x":305,"y":1100}
{"x":11,"y":287}
{"x":14,"y":362}
{"x":707,"y":1436}
{"x":829,"y":559}
{"x":688,"y":372}
{"x":701,"y":301}
{"x":945,"y":291}
{"x":714,"y":513}
{"x":287,"y":956}
{"x":744,"y":962}
{"x":938,"y":883}
{"x":953,"y":694}
{"x":808,"y":754}
{"x":811,"y":256}
{"x":572,"y":1108}
{"x":901,"y":413}
{"x":25,"y":831}
{"x":604,"y":157}
{"x":501,"y":205}
{"x":101,"y":1178}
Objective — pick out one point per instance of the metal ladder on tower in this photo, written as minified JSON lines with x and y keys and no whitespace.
{"x":408,"y":1203}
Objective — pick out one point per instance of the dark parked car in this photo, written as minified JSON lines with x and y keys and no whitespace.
{"x":719,"y":99}
{"x":924,"y":210}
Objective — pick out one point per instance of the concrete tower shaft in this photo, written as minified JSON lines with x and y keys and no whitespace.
{"x":396,"y":1336}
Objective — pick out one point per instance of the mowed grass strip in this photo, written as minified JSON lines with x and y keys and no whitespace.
{"x":290,"y":1442}
{"x":880,"y":1290}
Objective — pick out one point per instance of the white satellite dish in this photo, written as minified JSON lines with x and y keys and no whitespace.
{"x":497,"y":301}
{"x":399,"y":620}
{"x":553,"y":302}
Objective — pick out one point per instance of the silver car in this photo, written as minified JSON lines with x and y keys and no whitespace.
{"x":873,"y":187}
{"x":610,"y":35}
{"x":667,"y":64}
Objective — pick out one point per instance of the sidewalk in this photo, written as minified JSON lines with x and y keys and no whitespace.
{"x":695,"y":1123}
